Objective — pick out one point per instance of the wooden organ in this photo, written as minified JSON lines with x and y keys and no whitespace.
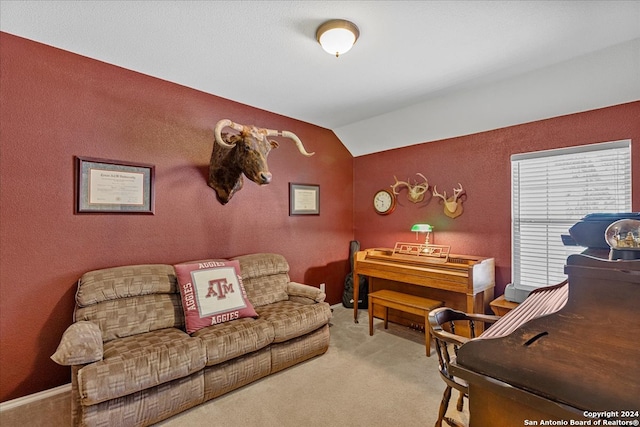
{"x":461,"y":281}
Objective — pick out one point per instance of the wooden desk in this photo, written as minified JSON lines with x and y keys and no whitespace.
{"x":583,"y":357}
{"x":463,"y":282}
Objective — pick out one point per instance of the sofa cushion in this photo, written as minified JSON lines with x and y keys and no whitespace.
{"x":123,"y":317}
{"x":296,"y":350}
{"x":292,"y":319}
{"x":129,"y":300}
{"x":143,"y":408}
{"x":138,"y":362}
{"x":265,"y":277}
{"x":232,"y":339}
{"x":126,"y":281}
{"x":212,"y":293}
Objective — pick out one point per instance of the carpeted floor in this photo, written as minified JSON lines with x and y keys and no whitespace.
{"x":362,"y":380}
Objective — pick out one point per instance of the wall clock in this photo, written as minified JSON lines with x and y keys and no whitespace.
{"x":384,"y":202}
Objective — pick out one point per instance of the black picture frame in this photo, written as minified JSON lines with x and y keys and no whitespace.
{"x":304,"y":199}
{"x":114,"y":186}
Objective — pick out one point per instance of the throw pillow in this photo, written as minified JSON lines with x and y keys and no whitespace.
{"x":81,"y":343}
{"x":212,"y":293}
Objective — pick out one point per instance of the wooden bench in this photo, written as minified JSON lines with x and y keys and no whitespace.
{"x":403,"y":302}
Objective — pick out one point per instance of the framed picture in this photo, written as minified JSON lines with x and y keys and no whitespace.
{"x":304,"y":199}
{"x":111,"y":186}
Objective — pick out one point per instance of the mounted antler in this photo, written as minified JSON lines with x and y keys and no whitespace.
{"x":452,"y":206}
{"x":415,"y":191}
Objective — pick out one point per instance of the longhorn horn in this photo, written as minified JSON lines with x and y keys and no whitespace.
{"x":290,"y":135}
{"x":223,"y":124}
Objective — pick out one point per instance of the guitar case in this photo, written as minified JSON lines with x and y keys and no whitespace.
{"x":363,"y":291}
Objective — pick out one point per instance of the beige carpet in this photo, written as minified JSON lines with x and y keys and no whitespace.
{"x":362,"y":380}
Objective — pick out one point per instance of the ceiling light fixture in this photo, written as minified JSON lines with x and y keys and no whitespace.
{"x":337,"y":36}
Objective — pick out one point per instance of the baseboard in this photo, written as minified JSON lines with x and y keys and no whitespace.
{"x":35,"y":397}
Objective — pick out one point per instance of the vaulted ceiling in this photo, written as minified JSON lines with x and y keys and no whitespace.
{"x":420,"y":71}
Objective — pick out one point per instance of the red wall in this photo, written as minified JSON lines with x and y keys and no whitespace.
{"x":56,"y":105}
{"x":481,"y":163}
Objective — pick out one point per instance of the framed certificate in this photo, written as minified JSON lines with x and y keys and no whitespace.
{"x":304,"y":199}
{"x":111,"y":186}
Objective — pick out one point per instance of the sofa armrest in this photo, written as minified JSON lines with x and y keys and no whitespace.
{"x":81,"y":343}
{"x":305,"y":292}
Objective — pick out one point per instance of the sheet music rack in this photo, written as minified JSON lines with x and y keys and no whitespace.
{"x":437,"y":253}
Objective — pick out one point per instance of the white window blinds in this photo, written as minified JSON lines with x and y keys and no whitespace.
{"x":554,"y":189}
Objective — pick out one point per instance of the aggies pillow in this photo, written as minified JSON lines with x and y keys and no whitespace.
{"x":212,"y":293}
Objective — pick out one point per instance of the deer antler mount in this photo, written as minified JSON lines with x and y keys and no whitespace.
{"x":415,"y":192}
{"x":453,"y":204}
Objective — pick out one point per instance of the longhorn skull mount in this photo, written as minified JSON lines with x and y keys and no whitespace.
{"x":235,"y":155}
{"x":453,"y":204}
{"x":415,"y":192}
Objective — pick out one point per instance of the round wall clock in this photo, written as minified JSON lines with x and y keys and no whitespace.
{"x":384,"y":202}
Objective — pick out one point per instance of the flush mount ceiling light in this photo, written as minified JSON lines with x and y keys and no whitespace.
{"x":337,"y":36}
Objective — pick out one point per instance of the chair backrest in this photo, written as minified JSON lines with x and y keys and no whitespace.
{"x":442,"y":322}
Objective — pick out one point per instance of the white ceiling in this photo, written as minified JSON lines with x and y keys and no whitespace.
{"x":442,"y":68}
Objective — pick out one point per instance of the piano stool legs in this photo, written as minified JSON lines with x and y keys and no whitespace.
{"x":404,"y":302}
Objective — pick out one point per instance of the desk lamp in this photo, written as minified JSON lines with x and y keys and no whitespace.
{"x":423,"y":228}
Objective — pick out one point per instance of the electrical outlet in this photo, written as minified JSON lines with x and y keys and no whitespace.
{"x":322,"y":287}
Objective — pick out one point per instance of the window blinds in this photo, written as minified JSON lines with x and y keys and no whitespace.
{"x":554,"y":189}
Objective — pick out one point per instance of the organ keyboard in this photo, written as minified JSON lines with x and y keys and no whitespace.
{"x":462,"y":281}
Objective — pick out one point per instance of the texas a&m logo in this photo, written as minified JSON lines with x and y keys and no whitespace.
{"x":219,"y":288}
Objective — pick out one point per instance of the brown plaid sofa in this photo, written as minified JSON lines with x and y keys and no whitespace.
{"x":133,"y":364}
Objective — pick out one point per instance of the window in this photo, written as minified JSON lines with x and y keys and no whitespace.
{"x":552,"y":190}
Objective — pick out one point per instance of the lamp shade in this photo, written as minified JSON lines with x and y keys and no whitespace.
{"x":422,"y":228}
{"x":337,"y":36}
